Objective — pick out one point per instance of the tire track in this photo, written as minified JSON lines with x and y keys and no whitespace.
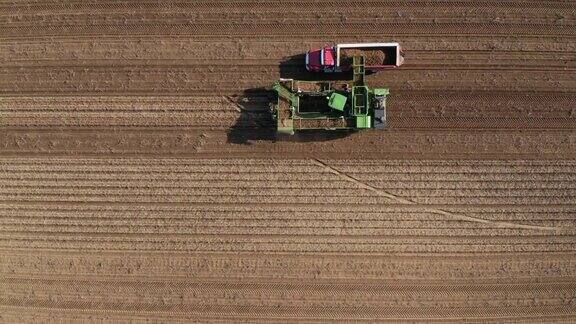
{"x":402,"y":200}
{"x":197,"y":226}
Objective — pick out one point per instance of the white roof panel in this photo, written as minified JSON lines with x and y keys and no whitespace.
{"x":364,"y":45}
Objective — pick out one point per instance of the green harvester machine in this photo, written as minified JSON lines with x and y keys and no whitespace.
{"x":346,"y":105}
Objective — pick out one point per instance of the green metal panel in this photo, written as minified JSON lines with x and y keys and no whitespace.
{"x":286,"y":130}
{"x":337,"y":101}
{"x":284,"y":92}
{"x":358,"y":70}
{"x":381,"y":92}
{"x":285,"y":124}
{"x":363,"y":122}
{"x":360,"y":101}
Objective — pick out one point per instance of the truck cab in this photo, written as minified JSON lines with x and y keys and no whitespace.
{"x":321,"y":59}
{"x":314,"y":61}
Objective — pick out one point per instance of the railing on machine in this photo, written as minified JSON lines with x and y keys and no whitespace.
{"x":359,"y":70}
{"x":359,"y":90}
{"x":360,"y":100}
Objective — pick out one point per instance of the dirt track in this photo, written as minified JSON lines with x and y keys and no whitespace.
{"x":140,"y":178}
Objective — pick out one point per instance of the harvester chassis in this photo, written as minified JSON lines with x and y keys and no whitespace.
{"x":329,"y":105}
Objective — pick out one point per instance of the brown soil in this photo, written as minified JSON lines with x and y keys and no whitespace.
{"x":321,"y":123}
{"x":309,"y":86}
{"x":126,"y":196}
{"x":371,"y":57}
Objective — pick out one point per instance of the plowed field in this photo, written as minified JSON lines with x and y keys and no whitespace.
{"x":140,"y":178}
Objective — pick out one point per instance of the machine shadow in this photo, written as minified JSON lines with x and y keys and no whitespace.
{"x":256,"y":121}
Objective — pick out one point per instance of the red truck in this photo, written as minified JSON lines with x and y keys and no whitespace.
{"x":338,"y":58}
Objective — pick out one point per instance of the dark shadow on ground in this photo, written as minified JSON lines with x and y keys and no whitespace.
{"x":256,"y":122}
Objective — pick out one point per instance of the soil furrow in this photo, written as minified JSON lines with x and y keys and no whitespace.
{"x":141,"y":178}
{"x":273,"y":30}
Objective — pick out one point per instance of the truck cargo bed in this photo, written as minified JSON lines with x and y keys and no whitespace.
{"x":373,"y":56}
